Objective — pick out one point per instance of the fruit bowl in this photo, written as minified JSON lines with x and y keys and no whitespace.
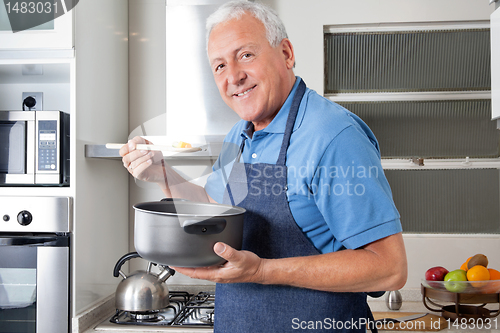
{"x":465,"y":287}
{"x":477,"y":293}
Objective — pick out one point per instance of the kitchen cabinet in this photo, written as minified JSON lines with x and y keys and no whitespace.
{"x":87,"y":77}
{"x":56,"y":34}
{"x":429,"y":105}
{"x":428,"y":102}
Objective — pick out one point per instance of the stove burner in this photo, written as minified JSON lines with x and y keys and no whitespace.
{"x":208,"y":319}
{"x":149,"y":316}
{"x":184,"y":310}
{"x":198,"y":311}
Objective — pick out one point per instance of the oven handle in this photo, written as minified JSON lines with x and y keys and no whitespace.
{"x":52,"y":241}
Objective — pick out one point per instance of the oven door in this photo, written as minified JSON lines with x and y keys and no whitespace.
{"x":34,"y":283}
{"x":17,"y":147}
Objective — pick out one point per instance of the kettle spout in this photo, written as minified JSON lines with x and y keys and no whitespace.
{"x":165,"y":273}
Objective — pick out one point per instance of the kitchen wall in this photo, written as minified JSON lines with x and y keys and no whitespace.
{"x":304,"y":21}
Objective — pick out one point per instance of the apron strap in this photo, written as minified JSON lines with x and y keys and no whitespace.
{"x":371,"y":320}
{"x":240,"y":151}
{"x":294,"y":109}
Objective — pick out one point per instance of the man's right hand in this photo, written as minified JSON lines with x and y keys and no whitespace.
{"x":144,"y":165}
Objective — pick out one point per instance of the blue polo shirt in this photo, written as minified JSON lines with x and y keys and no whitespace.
{"x":337,"y":190}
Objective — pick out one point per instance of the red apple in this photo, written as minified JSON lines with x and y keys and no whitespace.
{"x":436,"y":273}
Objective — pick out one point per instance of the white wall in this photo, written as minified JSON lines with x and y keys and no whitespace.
{"x":101,"y":188}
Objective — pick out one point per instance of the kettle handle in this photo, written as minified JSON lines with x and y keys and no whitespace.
{"x":122,"y":260}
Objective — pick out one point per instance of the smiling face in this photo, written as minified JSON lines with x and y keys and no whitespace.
{"x":253,"y":77}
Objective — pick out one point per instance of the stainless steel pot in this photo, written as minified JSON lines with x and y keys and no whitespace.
{"x":183,"y":233}
{"x":141,"y":290}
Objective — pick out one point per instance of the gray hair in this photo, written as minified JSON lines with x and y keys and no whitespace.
{"x":275,"y":29}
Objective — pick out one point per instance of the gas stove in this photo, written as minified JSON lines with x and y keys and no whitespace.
{"x":185,"y":310}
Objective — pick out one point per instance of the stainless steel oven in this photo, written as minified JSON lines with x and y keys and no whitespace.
{"x":35,"y":264}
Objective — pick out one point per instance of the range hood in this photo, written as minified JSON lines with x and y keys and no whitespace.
{"x":195,"y":111}
{"x":193,"y":103}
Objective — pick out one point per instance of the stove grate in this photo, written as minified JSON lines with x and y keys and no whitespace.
{"x":184,"y":310}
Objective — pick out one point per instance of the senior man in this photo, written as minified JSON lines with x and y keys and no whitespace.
{"x":321,"y":228}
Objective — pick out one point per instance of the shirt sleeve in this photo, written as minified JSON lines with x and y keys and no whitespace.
{"x":215,"y":183}
{"x":352,"y":192}
{"x":221,"y":170}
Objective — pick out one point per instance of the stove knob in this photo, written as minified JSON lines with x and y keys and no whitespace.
{"x":24,"y":217}
{"x":6,"y":218}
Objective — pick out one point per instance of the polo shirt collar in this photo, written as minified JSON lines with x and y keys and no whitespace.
{"x":278,"y":124}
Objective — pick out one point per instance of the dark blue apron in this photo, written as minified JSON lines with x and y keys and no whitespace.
{"x":270,"y":231}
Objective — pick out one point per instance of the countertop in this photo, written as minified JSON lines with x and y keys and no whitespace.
{"x":90,"y":320}
{"x":418,"y":306}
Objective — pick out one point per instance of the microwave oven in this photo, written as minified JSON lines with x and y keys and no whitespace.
{"x":34,"y":148}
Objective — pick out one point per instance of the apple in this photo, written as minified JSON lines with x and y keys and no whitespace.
{"x":436,"y":273}
{"x":452,"y":281}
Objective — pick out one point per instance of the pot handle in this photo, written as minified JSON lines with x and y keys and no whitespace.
{"x":209,"y":226}
{"x":173,"y":199}
{"x":122,"y":260}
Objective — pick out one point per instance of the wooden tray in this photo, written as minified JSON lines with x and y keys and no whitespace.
{"x":429,"y":322}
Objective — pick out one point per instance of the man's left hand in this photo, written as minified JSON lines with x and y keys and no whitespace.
{"x":241,"y":266}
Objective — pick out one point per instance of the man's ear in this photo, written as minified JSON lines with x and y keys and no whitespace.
{"x":289,"y":55}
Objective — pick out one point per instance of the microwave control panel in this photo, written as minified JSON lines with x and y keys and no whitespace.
{"x":47,"y":145}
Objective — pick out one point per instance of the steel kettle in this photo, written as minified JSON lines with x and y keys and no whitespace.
{"x":141,"y":290}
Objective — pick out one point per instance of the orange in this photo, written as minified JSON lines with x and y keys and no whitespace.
{"x":494,"y":274}
{"x":478,"y":273}
{"x":493,"y":286}
{"x":464,"y":265}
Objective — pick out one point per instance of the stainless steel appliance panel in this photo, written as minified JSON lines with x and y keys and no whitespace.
{"x":35,"y":264}
{"x":48,"y":139}
{"x":52,"y":289}
{"x":34,"y":148}
{"x":48,"y":214}
{"x":34,"y":283}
